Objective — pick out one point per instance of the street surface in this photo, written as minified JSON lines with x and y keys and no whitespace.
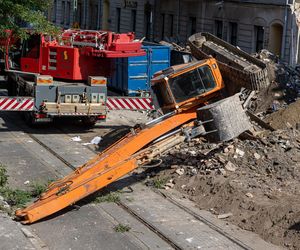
{"x":43,"y":153}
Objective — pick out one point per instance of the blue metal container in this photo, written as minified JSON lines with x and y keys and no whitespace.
{"x":133,"y":75}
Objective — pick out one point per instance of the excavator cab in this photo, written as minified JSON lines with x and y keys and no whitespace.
{"x":183,"y":86}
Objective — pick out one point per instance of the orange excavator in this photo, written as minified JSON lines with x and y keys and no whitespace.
{"x":189,"y":98}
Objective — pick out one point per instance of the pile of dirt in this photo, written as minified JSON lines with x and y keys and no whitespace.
{"x":287,"y":117}
{"x":257,"y":181}
{"x":269,"y":100}
{"x":283,"y":90}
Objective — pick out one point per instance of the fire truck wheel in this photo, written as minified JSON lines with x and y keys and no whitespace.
{"x":89,"y":121}
{"x":29,"y":118}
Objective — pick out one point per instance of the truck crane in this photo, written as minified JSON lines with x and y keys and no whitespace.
{"x":185,"y":95}
{"x":65,"y":75}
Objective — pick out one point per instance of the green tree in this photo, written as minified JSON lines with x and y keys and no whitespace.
{"x":17,"y":13}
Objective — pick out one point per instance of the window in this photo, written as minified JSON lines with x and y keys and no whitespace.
{"x":192,"y":84}
{"x":54,"y":7}
{"x":68,"y":15}
{"x":79,"y":14}
{"x":147,"y":22}
{"x":91,"y":16}
{"x":192,"y":25}
{"x":162,"y":26}
{"x":259,"y":38}
{"x":171,"y":24}
{"x":118,"y":19}
{"x":133,"y":20}
{"x":233,"y":33}
{"x":63,"y":10}
{"x":31,"y":47}
{"x":219,"y":29}
{"x":96,"y":17}
{"x":161,"y":94}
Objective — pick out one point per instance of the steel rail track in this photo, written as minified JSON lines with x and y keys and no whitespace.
{"x":142,"y":220}
{"x":205,"y":221}
{"x":119,"y":203}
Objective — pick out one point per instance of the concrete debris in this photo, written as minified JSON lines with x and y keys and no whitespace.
{"x":224,"y":216}
{"x":239,"y":152}
{"x":194,"y":171}
{"x":170,"y":184}
{"x":249,"y":195}
{"x":257,"y":156}
{"x":180,"y":171}
{"x":230,"y":166}
{"x":245,"y":176}
{"x":222,"y":171}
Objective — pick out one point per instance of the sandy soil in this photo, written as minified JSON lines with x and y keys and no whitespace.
{"x":257,"y":181}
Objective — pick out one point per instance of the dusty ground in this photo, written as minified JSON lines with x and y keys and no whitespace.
{"x":284,"y":118}
{"x":255,"y":181}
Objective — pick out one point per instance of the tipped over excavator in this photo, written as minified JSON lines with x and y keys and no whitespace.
{"x":191,"y":101}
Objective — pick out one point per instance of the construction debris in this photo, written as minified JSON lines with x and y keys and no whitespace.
{"x":224,"y":216}
{"x":255,"y":176}
{"x":256,"y":179}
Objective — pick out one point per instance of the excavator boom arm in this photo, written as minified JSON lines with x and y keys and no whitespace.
{"x":112,"y":164}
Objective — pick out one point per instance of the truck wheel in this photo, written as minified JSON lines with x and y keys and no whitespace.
{"x":89,"y":121}
{"x":11,"y":87}
{"x":29,"y":119}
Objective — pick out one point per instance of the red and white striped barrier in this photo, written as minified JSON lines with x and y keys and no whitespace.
{"x":129,"y":103}
{"x":113,"y":103}
{"x":16,"y":104}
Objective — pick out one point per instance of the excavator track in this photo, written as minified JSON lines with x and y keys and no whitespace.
{"x":115,"y":162}
{"x":237,"y":67}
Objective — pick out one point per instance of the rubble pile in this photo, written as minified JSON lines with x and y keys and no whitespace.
{"x":251,"y":181}
{"x":284,"y":89}
{"x":257,"y":181}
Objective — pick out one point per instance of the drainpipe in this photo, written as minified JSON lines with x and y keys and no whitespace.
{"x":297,"y":47}
{"x":284,"y":29}
{"x":296,"y":27}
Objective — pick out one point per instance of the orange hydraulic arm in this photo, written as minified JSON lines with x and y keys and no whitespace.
{"x":105,"y":168}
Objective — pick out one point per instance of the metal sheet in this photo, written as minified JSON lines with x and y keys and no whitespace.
{"x":134,"y":74}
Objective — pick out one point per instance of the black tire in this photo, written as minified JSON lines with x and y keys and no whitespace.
{"x":89,"y":121}
{"x":29,"y":118}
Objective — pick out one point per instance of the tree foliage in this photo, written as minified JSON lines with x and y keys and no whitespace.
{"x":16,"y":14}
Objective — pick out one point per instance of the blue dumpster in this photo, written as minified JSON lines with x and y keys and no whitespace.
{"x":133,"y":75}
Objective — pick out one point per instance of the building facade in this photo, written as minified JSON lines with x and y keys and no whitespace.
{"x":85,"y":14}
{"x":115,"y":15}
{"x":248,"y":24}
